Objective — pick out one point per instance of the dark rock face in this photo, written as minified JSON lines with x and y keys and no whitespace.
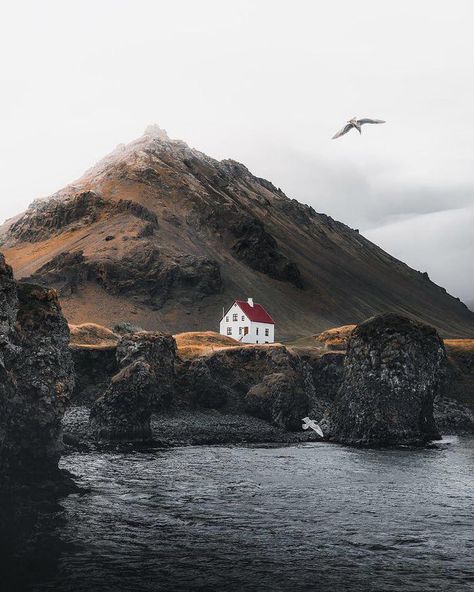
{"x":8,"y":300}
{"x":66,"y":272}
{"x":327,"y":373}
{"x":278,"y":400}
{"x":146,"y":272}
{"x":259,"y":250}
{"x":145,"y":382}
{"x":37,"y":378}
{"x":269,"y":382}
{"x":197,"y":387}
{"x":94,"y":368}
{"x":452,"y":417}
{"x":45,"y":217}
{"x":393,"y":370}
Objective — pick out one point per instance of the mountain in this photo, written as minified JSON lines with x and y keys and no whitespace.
{"x":160,"y":235}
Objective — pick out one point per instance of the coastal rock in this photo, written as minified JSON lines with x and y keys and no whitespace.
{"x":198,"y":389}
{"x":8,"y":300}
{"x":94,"y":368}
{"x":269,"y":382}
{"x":393,"y":370}
{"x":93,"y":350}
{"x":453,"y":417}
{"x":327,"y":373}
{"x":278,"y":400}
{"x":145,"y":382}
{"x":37,"y":377}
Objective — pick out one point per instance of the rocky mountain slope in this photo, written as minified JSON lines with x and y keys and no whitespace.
{"x":163,"y":236}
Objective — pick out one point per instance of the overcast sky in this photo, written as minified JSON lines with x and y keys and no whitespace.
{"x":266,"y":83}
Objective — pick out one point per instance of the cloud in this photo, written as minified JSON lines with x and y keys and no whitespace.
{"x":440,"y":243}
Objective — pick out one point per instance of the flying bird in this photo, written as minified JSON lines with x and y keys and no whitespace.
{"x":356,"y":124}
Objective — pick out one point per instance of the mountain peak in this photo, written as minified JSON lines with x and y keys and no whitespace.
{"x":155,"y":131}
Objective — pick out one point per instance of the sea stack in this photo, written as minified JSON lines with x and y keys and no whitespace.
{"x":144,"y":383}
{"x":392,"y":373}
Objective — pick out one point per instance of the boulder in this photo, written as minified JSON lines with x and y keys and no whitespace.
{"x":36,"y":379}
{"x":393,"y":370}
{"x":145,"y":382}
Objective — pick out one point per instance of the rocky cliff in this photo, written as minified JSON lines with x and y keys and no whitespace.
{"x":162,"y":235}
{"x":36,"y":378}
{"x":394,"y":369}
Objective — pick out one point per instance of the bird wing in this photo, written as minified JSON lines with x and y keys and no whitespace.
{"x":318,"y":430}
{"x":367,"y":120}
{"x":344,"y":130}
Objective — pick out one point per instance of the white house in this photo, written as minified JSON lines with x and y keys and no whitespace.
{"x":248,"y":322}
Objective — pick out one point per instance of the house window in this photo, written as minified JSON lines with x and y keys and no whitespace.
{"x":267,"y":332}
{"x":227,"y":319}
{"x":240,"y":330}
{"x":256,"y":331}
{"x":256,"y":341}
{"x":235,"y":317}
{"x":229,"y":330}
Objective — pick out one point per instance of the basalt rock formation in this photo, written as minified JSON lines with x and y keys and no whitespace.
{"x":145,"y":382}
{"x":394,"y":369}
{"x":279,"y":400}
{"x":93,"y":350}
{"x":36,"y":379}
{"x":163,"y":236}
{"x":454,"y":407}
{"x":269,"y":382}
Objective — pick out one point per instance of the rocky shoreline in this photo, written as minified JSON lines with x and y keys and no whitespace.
{"x":175,"y":428}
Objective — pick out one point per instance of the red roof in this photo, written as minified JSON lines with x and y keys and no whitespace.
{"x":256,"y":312}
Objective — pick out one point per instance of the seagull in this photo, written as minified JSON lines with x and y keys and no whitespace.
{"x":310,"y":423}
{"x":356,"y":124}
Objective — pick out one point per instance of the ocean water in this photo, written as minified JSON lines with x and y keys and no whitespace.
{"x":317,"y":517}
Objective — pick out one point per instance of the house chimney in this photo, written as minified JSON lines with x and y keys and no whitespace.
{"x":250,"y":301}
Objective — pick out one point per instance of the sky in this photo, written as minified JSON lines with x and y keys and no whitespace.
{"x":266,"y":83}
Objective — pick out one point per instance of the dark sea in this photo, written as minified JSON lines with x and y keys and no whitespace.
{"x":316,"y":517}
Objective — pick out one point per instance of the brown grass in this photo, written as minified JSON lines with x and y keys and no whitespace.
{"x":199,"y":343}
{"x":90,"y":335}
{"x":460,"y":345}
{"x":335,"y":338}
{"x":332,"y":339}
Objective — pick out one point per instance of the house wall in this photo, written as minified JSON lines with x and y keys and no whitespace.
{"x":243,"y":321}
{"x":257,"y":333}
